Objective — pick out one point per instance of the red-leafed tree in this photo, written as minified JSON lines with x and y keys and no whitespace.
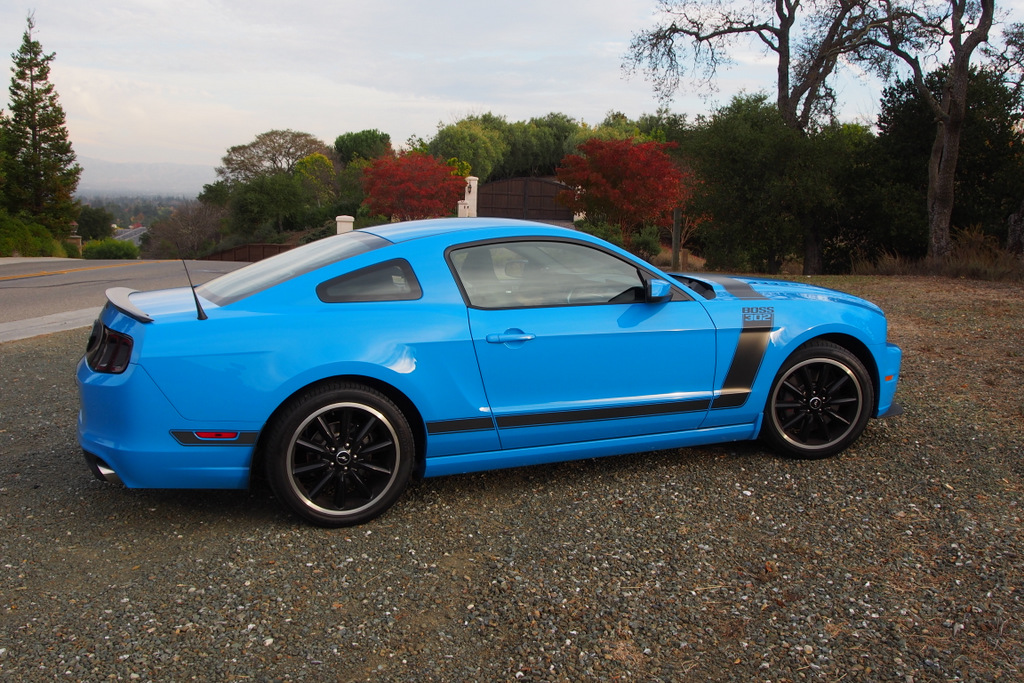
{"x":410,"y":186}
{"x":624,"y":182}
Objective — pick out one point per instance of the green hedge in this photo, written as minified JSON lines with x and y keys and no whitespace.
{"x":110,"y":248}
{"x":18,"y":238}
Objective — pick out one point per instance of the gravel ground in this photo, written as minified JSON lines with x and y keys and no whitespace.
{"x":899,"y":560}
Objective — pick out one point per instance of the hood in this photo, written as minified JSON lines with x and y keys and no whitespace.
{"x":712,"y":286}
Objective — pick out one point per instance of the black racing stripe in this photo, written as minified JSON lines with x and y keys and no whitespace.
{"x":470,"y":424}
{"x":595,"y":414}
{"x":754,"y":337}
{"x":731,"y":400}
{"x":740,"y":290}
{"x":189,"y":438}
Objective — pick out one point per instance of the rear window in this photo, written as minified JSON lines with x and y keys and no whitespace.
{"x":264,"y":274}
{"x":388,"y":281}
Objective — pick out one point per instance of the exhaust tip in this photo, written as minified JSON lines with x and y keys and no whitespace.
{"x":100,"y":469}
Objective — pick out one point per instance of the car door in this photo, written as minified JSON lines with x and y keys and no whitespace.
{"x":570,"y":349}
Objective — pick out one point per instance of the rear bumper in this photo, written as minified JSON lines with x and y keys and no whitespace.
{"x":126,"y":427}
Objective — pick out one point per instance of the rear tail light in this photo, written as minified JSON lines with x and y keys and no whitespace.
{"x":108,"y":351}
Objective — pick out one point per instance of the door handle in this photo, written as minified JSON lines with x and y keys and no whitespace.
{"x":510,"y":336}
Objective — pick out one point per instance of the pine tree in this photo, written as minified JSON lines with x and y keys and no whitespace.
{"x":38,"y":161}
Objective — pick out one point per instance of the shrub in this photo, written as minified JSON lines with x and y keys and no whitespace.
{"x":110,"y":248}
{"x":18,"y":238}
{"x":646,"y":243}
{"x":975,"y":256}
{"x":606,"y":231}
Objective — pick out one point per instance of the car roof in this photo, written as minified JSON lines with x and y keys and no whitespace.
{"x":412,"y":230}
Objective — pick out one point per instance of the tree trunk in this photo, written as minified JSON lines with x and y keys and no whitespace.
{"x":950,"y":115}
{"x":677,"y":230}
{"x":1015,"y":232}
{"x":814,"y":260}
{"x":941,"y":169}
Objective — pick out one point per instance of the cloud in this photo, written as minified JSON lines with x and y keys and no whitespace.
{"x":181,"y":82}
{"x":150,"y":80}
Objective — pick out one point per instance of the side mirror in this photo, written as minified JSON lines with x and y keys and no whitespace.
{"x":658,"y":290}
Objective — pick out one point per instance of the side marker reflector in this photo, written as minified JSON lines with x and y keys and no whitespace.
{"x":217,"y":435}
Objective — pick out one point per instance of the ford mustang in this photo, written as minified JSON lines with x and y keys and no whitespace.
{"x":343,"y":368}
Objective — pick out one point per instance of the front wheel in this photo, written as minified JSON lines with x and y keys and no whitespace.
{"x":340,"y":454}
{"x":820,"y":402}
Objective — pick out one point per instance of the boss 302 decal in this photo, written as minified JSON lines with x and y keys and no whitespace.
{"x":758,"y":322}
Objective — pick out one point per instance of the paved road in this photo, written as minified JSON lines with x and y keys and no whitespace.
{"x":44,"y":295}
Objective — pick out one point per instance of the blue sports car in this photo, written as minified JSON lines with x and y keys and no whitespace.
{"x":344,"y":367}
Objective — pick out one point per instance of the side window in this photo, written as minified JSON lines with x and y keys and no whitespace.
{"x":535,"y":273}
{"x":389,"y":281}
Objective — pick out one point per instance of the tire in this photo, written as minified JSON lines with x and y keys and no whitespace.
{"x":340,"y":454}
{"x":820,"y":402}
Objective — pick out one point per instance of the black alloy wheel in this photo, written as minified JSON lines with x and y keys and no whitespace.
{"x":820,"y":401}
{"x":340,"y":454}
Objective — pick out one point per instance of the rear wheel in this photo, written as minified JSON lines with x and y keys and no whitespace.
{"x":340,"y":454}
{"x":819,"y":403}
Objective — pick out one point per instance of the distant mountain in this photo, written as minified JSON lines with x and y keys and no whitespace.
{"x":108,"y":178}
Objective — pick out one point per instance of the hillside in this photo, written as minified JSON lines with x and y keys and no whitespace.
{"x":105,"y":178}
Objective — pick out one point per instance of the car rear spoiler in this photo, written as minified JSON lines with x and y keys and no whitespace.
{"x":119,"y":299}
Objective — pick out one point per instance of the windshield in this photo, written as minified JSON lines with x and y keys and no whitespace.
{"x":264,"y":274}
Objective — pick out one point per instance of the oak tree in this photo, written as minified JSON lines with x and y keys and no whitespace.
{"x":271,"y":153}
{"x":906,"y":37}
{"x":693,"y":38}
{"x":990,"y":167}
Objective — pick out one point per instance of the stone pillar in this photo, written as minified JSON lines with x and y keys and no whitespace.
{"x":463,"y":209}
{"x":345,"y":223}
{"x":472,"y":183}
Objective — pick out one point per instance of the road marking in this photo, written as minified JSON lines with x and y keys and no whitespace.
{"x":77,"y":270}
{"x":48,"y":324}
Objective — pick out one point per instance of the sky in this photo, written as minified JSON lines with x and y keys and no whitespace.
{"x":181,"y":81}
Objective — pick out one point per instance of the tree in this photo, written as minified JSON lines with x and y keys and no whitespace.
{"x":366,"y":144}
{"x":963,"y":25}
{"x":411,"y":186}
{"x":267,"y":201}
{"x":990,"y":168}
{"x":881,"y":35}
{"x":318,"y":176}
{"x":770,"y":193}
{"x":477,"y":140}
{"x":624,"y":182}
{"x":535,"y":147}
{"x":189,"y":232}
{"x":1008,"y":63}
{"x":271,"y":153}
{"x":41,"y":175}
{"x":809,"y":41}
{"x":744,"y":156}
{"x":95,"y":223}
